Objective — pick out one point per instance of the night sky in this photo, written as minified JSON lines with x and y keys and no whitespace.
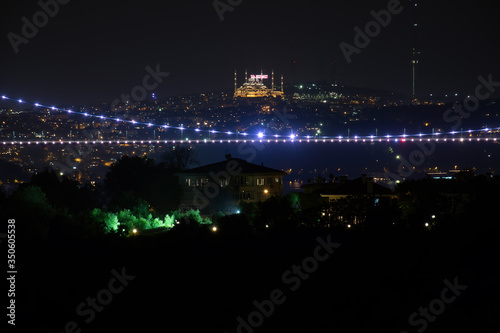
{"x":93,"y":51}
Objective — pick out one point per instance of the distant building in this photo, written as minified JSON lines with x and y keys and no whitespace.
{"x":349,"y":200}
{"x":223,"y":185}
{"x":343,"y":187}
{"x":254,"y":87}
{"x":459,"y":174}
{"x":362,"y":186}
{"x":440,"y":175}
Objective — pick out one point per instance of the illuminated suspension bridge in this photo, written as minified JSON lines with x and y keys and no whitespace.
{"x":476,"y":135}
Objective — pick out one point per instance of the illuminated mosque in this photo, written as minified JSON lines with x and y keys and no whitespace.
{"x":254,"y":87}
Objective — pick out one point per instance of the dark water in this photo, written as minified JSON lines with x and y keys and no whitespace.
{"x":308,"y":160}
{"x":302,"y":161}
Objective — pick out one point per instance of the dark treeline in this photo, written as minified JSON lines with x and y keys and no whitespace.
{"x":187,"y":275}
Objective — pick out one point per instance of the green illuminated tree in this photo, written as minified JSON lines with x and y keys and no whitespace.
{"x":108,"y":220}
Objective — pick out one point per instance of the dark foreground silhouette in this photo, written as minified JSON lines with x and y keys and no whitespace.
{"x":197,"y":280}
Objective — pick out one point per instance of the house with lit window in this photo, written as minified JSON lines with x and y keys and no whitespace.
{"x":348,"y":201}
{"x":223,"y":185}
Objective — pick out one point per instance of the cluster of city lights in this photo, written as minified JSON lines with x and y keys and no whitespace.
{"x":260,"y":136}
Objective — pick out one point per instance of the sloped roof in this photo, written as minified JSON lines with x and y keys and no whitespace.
{"x":245,"y":166}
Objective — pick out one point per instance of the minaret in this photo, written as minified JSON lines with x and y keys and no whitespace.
{"x":246,"y":76}
{"x":235,"y":82}
{"x":281,"y":82}
{"x":272,"y":80}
